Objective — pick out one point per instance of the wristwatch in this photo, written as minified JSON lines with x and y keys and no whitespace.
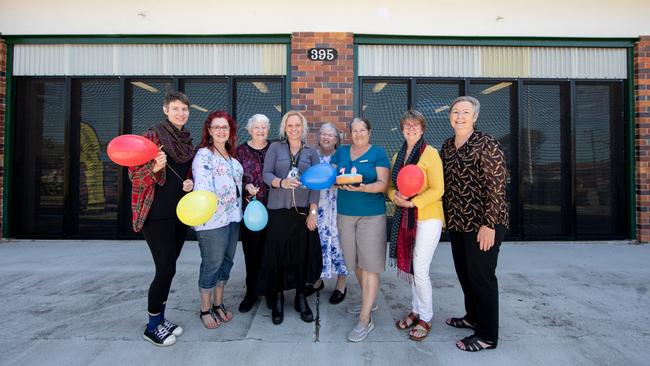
{"x":313,"y":212}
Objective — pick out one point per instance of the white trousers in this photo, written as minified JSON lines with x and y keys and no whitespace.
{"x":426,"y":242}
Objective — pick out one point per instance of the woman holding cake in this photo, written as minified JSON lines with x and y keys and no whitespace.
{"x":417,"y":222}
{"x":291,"y":257}
{"x":328,"y":140}
{"x":361,"y":219}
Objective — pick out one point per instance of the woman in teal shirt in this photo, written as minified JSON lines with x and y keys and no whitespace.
{"x":361,"y":219}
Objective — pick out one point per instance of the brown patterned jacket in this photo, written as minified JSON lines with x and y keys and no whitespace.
{"x":475,"y":183}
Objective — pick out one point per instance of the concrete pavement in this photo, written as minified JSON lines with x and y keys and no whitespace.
{"x":84,"y":303}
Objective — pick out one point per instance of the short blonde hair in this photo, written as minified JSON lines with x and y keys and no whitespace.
{"x":283,"y":124}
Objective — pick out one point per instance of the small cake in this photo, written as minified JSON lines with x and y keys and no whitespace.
{"x":349,"y":179}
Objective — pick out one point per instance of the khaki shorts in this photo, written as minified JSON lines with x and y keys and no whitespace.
{"x":363,"y":240}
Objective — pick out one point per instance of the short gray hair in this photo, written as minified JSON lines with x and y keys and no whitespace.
{"x":258,"y":118}
{"x":283,"y":124}
{"x":466,"y":98}
{"x":331,"y":127}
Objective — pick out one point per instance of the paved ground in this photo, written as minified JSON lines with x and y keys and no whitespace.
{"x":83,"y":303}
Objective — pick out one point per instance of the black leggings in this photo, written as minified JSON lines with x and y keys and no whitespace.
{"x":165,"y":238}
{"x":476,"y":274}
{"x":253,"y":245}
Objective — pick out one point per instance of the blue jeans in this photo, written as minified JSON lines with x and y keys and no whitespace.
{"x":217,"y":254}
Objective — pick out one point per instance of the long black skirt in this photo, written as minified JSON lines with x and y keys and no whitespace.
{"x":291,"y":257}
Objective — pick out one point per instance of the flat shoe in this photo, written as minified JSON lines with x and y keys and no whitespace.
{"x":338,"y":296}
{"x":310,"y":289}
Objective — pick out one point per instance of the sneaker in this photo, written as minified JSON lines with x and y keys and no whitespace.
{"x":159,"y":337}
{"x":172,"y":328}
{"x":360,"y":331}
{"x":355,"y":307}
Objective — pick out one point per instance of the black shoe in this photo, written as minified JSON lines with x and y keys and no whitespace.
{"x":269,"y":301}
{"x":161,"y":336}
{"x":277,"y":314}
{"x":301,"y":306}
{"x":338,"y":296}
{"x":247,"y":304}
{"x":310,"y":289}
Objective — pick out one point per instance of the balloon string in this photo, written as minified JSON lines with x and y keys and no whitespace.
{"x":170,"y":168}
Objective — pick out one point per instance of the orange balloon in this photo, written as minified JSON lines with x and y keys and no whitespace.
{"x":410,"y":180}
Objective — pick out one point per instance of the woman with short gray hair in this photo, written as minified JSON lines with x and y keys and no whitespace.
{"x":329,"y":140}
{"x":251,"y":154}
{"x":476,"y":213}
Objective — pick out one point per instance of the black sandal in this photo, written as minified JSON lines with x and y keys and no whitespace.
{"x":460,"y":323}
{"x":214,"y":317}
{"x":473,"y":344}
{"x":222,"y":307}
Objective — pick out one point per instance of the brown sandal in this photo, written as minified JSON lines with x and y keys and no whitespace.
{"x":424,"y":328}
{"x":402,"y":323}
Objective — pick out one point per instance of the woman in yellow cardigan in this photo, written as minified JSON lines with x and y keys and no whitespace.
{"x":417,"y":222}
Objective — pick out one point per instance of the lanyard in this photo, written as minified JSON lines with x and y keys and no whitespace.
{"x":232,"y":173}
{"x":296,"y":159}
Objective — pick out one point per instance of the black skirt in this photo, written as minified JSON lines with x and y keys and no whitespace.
{"x":292,"y":255}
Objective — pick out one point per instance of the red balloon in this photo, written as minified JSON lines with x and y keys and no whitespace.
{"x":410,"y":180}
{"x":131,"y":150}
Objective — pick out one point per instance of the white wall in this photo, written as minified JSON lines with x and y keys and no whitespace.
{"x":548,"y":18}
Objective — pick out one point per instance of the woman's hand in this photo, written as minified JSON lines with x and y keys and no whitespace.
{"x":290,"y":183}
{"x":311,"y":221}
{"x":485,"y":238}
{"x":251,"y":189}
{"x":401,"y":201}
{"x":349,"y":187}
{"x":188,"y":185}
{"x":159,"y":161}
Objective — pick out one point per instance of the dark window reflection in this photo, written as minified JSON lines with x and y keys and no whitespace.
{"x":258,"y":97}
{"x":596,"y":184}
{"x":383,"y":104}
{"x":39,"y":179}
{"x":433,"y":100}
{"x":146,"y":102}
{"x":99,"y":111}
{"x":205,"y":96}
{"x":541,"y":161}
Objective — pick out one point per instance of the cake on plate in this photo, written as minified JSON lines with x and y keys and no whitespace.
{"x":349,"y":179}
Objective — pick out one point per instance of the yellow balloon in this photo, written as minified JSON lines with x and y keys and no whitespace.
{"x":196,"y":208}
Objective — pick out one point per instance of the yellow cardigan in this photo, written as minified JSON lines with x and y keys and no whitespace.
{"x":429,"y":199}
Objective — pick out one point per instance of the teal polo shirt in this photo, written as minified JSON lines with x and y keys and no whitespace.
{"x":361,"y":203}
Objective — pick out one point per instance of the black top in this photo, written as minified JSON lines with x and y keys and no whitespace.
{"x":166,"y":197}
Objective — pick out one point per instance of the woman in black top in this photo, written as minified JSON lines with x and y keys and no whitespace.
{"x":476,"y":213}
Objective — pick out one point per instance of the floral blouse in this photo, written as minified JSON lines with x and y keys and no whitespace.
{"x":222,"y":177}
{"x":475,"y":183}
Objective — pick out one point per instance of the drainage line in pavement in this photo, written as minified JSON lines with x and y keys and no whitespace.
{"x":317,"y":328}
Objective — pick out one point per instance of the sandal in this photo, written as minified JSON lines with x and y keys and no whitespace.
{"x":473,"y":344}
{"x":421,"y":327}
{"x":403,"y":324}
{"x":213,"y":316}
{"x":227,"y":315}
{"x":460,"y":323}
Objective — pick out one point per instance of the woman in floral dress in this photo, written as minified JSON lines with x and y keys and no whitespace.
{"x":333,"y":263}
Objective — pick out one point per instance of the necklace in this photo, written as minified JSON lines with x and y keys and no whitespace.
{"x":232,"y":172}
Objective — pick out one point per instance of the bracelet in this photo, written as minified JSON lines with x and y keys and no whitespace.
{"x":280,"y":185}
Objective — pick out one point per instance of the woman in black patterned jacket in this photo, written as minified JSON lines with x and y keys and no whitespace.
{"x":476,"y":213}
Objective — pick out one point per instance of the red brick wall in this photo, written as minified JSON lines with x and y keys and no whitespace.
{"x":322,"y":90}
{"x":642,"y":142}
{"x":3,"y":80}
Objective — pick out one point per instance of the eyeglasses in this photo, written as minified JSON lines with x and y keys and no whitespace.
{"x":411,"y":127}
{"x":328,"y":135}
{"x":220,"y":128}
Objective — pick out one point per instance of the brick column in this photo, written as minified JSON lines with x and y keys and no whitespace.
{"x":322,"y":90}
{"x":642,"y":141}
{"x":3,"y":83}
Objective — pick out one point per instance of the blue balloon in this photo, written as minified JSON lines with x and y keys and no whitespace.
{"x":319,"y":176}
{"x":255,"y":217}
